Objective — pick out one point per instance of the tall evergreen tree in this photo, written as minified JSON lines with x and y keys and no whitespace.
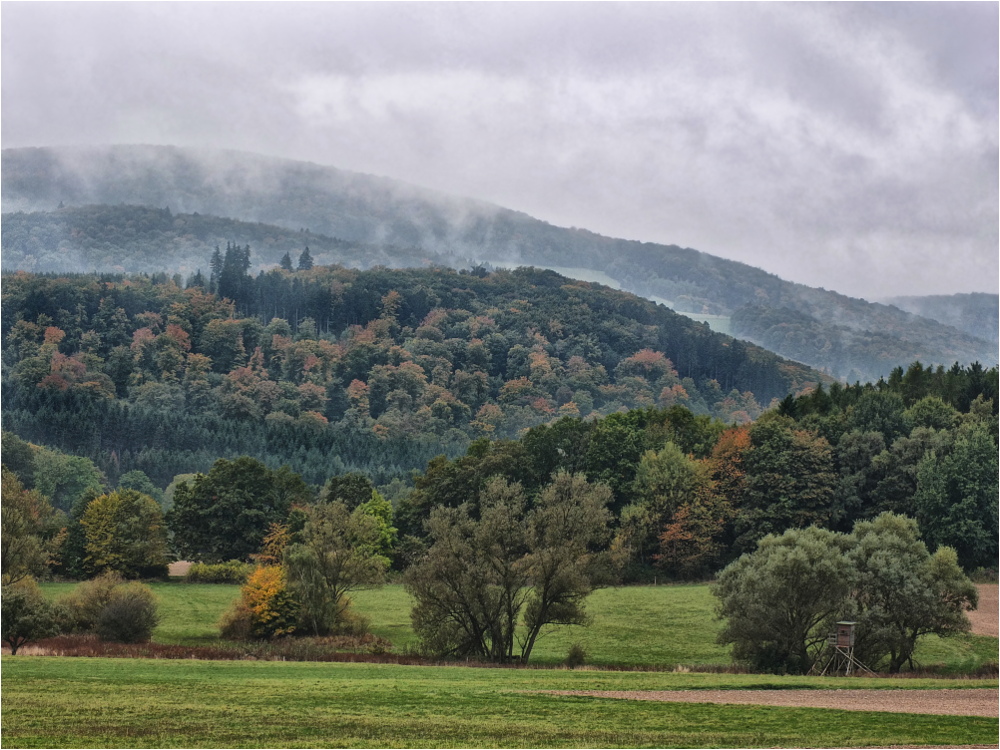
{"x":305,"y":260}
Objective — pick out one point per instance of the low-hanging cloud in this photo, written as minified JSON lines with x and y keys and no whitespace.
{"x":850,"y":146}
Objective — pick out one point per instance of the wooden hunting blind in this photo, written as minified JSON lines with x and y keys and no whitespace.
{"x":841,"y":645}
{"x":844,"y":635}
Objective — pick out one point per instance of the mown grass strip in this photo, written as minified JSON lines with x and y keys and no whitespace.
{"x":57,"y":702}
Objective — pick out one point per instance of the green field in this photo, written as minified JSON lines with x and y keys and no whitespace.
{"x":67,"y":702}
{"x":652,"y":626}
{"x":97,"y":702}
{"x":634,"y":626}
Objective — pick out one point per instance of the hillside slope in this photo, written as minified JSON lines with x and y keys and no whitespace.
{"x":380,"y":370}
{"x":846,"y":337}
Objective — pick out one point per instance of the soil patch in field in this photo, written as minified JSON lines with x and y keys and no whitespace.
{"x":984,"y":619}
{"x":969,"y":702}
{"x":179,"y":568}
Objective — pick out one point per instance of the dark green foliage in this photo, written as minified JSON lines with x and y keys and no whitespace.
{"x":124,"y":532}
{"x":26,"y":615}
{"x":145,"y":376}
{"x":137,"y":480}
{"x":225,"y":514}
{"x":337,"y":551}
{"x":956,"y":496}
{"x":19,"y":458}
{"x":481,"y":576}
{"x":903,"y":592}
{"x":352,"y":489}
{"x":576,"y":656}
{"x":129,"y":616}
{"x":781,"y":601}
{"x":790,"y":481}
{"x":111,"y":608}
{"x":30,"y":533}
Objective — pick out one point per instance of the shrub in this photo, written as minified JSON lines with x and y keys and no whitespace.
{"x":233,"y":571}
{"x":266,"y":608}
{"x":576,"y":656}
{"x":83,"y":604}
{"x":114,"y":610}
{"x":352,"y":623}
{"x":129,"y":616}
{"x":25,"y":616}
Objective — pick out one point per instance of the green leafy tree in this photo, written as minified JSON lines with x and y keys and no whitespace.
{"x":129,"y":615}
{"x":19,"y":458}
{"x":480,"y":576}
{"x":665,"y":480}
{"x":903,"y":592}
{"x":352,"y":489}
{"x":31,"y":533}
{"x":305,"y":260}
{"x":64,"y":478}
{"x":956,"y":497}
{"x":790,"y":481}
{"x":225,"y":514}
{"x":566,"y":530}
{"x":338,"y":551}
{"x":138,"y":481}
{"x":387,"y":537}
{"x":124,"y":532}
{"x":780,"y":601}
{"x":26,"y":615}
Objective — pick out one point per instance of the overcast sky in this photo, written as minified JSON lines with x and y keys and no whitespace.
{"x":851,"y":146}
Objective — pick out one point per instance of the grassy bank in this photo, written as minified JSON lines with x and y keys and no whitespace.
{"x":60,"y":702}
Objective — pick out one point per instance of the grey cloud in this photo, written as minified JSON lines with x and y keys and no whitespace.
{"x":851,"y":146}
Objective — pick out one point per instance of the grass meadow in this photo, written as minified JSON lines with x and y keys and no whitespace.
{"x":66,"y":702}
{"x":633,"y":626}
{"x":100,"y":702}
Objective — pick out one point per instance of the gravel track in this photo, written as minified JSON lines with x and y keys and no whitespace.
{"x":967,"y":702}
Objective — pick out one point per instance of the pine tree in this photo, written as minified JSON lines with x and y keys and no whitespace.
{"x":305,"y":260}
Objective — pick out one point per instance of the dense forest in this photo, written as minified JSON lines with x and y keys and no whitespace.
{"x":858,"y":340}
{"x":681,"y":495}
{"x":328,"y":369}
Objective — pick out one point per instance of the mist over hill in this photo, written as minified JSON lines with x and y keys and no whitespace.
{"x":977,"y":314}
{"x":406,"y":225}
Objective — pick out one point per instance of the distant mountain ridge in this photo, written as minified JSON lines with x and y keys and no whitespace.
{"x":977,"y":314}
{"x":848,"y":338}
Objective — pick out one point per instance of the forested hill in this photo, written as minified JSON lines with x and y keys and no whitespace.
{"x":330,"y":369}
{"x":848,"y":338}
{"x":139,"y":239}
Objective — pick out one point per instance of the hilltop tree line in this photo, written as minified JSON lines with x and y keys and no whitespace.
{"x":686,"y":493}
{"x":889,"y":482}
{"x":330,"y":370}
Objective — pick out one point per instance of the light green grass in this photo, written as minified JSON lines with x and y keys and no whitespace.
{"x":633,"y":626}
{"x":189,"y":612}
{"x":63,"y":702}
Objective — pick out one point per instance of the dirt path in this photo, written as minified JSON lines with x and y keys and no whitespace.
{"x":970,"y":702}
{"x":984,"y":619}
